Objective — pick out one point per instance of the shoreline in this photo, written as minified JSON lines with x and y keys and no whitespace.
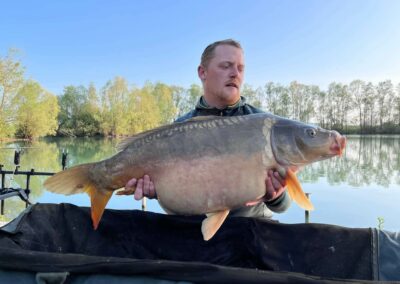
{"x":5,"y":140}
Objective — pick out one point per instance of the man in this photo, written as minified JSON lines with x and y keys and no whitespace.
{"x":221,"y":72}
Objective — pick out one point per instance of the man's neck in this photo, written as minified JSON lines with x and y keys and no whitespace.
{"x":218,"y":105}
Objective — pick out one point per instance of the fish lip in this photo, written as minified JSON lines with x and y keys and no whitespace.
{"x":339,"y":144}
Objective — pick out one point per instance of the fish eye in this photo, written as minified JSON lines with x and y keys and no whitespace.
{"x":311,"y":132}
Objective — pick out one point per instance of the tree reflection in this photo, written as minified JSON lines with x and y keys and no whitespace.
{"x":366,"y":160}
{"x":45,"y":156}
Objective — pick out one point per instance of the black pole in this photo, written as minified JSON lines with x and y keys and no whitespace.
{"x":64,"y":159}
{"x":3,"y":175}
{"x":27,"y":190}
{"x":17,"y":157}
{"x":307,"y":212}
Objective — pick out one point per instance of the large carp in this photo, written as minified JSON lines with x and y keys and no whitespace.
{"x":206,"y":165}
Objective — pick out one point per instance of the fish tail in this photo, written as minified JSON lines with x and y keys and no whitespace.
{"x":70,"y":181}
{"x":77,"y":180}
{"x":296,"y":192}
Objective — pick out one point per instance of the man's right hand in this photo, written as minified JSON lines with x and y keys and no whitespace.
{"x":144,"y":188}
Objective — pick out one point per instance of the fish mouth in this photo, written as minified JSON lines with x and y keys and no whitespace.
{"x":338,"y":144}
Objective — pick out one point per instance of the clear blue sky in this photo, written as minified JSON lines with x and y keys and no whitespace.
{"x":315,"y":42}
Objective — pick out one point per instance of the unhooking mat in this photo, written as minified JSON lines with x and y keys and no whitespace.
{"x":51,"y":243}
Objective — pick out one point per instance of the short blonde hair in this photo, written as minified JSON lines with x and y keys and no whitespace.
{"x":208,"y":53}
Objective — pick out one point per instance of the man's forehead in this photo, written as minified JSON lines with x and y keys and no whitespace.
{"x":228,"y":53}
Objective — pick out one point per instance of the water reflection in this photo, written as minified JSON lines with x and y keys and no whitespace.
{"x":45,"y":156}
{"x":368,"y":164}
{"x":367,"y":160}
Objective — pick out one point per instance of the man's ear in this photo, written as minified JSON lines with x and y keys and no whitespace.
{"x":201,"y":71}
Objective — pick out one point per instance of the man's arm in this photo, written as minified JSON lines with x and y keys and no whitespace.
{"x":280,"y":204}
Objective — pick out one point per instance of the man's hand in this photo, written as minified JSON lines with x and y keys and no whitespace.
{"x":274,"y":184}
{"x":144,"y":188}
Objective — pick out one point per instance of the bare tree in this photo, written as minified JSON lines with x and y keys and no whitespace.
{"x":384,"y":97}
{"x":355,"y":90}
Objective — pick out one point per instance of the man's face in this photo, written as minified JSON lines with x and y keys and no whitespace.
{"x":223,"y":76}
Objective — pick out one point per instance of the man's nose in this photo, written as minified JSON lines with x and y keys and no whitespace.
{"x":234,"y":72}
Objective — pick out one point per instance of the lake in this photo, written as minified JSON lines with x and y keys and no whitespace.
{"x":353,"y":190}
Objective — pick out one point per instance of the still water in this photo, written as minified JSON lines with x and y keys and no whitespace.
{"x":353,"y":191}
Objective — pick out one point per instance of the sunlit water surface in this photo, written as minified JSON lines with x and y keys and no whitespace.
{"x":354,"y":190}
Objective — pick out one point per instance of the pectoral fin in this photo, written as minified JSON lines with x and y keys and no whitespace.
{"x":98,"y":200}
{"x":212,"y":223}
{"x":295,"y":191}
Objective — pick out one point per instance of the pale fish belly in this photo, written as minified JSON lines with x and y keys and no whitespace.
{"x":209,"y":184}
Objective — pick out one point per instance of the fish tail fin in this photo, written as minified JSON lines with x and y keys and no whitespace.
{"x":295,"y":191}
{"x":77,"y":180}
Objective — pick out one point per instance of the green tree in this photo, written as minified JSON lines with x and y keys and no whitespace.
{"x":70,"y":105}
{"x":186,"y":99}
{"x":115,"y":109}
{"x":11,"y":79}
{"x":178,"y":97}
{"x":92,"y":104}
{"x":37,"y":111}
{"x":90,"y":116}
{"x":165,"y":102}
{"x":144,"y":113}
{"x":252,"y":96}
{"x":193,"y":95}
{"x":80,"y":113}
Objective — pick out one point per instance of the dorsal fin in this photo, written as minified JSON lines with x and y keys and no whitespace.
{"x":202,"y":117}
{"x":128,"y":141}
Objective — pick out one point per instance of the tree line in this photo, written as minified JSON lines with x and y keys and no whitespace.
{"x":357,"y":107}
{"x":27,"y":110}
